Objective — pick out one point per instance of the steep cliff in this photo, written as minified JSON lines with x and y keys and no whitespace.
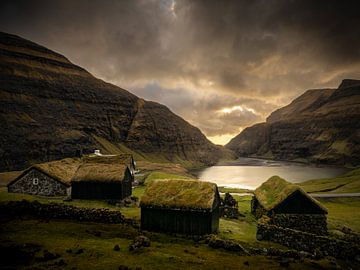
{"x":321,"y":126}
{"x":51,"y":109}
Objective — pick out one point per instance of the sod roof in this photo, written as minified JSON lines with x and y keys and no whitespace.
{"x":275,"y":190}
{"x":100,"y":172}
{"x":180,"y":194}
{"x":62,"y":170}
{"x":113,"y":159}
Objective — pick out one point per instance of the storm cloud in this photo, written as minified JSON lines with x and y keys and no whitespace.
{"x":221,"y":65}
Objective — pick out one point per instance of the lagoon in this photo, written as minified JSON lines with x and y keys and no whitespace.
{"x":249,"y":173}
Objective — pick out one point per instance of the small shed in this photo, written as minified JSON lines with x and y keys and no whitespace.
{"x":47,"y":179}
{"x":102,"y":179}
{"x":181,"y":206}
{"x":288,"y":205}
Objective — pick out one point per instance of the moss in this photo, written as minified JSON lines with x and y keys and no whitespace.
{"x":184,"y":194}
{"x":63,"y":169}
{"x":100,"y":172}
{"x":275,"y":190}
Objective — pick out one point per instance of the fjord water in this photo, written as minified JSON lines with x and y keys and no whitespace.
{"x":249,"y":173}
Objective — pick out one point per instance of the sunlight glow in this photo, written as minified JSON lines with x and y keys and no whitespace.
{"x":237,"y":108}
{"x":221,"y":139}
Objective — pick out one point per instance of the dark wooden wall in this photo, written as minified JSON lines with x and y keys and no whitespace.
{"x":179,"y":221}
{"x":127,"y":184}
{"x":103,"y":190}
{"x":298,"y":203}
{"x":96,"y":190}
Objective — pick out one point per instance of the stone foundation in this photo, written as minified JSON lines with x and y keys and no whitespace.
{"x":308,"y":223}
{"x":306,"y":241}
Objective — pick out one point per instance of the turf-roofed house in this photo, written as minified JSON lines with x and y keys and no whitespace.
{"x":288,"y":205}
{"x":102,"y":177}
{"x":181,"y":206}
{"x":47,"y":179}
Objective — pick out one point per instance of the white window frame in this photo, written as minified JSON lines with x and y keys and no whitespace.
{"x":35,"y":181}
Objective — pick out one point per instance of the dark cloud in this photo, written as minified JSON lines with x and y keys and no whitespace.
{"x":199,"y":57}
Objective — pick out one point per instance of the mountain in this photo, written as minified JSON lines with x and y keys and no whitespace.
{"x":320,"y":126}
{"x":51,"y":109}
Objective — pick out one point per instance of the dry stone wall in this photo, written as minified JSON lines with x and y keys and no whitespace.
{"x":306,"y":241}
{"x":44,"y":185}
{"x":307,"y":223}
{"x":60,"y":211}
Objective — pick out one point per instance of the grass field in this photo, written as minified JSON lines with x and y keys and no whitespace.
{"x":166,"y":251}
{"x":96,"y":243}
{"x":347,"y":183}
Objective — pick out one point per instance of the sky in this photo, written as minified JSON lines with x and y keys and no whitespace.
{"x":221,"y":65}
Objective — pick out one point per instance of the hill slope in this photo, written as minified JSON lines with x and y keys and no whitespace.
{"x":322,"y":125}
{"x":51,"y":109}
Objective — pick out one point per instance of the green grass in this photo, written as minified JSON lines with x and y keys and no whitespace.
{"x":343,"y":211}
{"x":7,"y":177}
{"x":242,"y":229}
{"x":347,"y":183}
{"x":154,"y":176}
{"x":165,"y":252}
{"x":234,"y":190}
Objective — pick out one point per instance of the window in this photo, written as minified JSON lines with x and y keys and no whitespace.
{"x":35,"y":181}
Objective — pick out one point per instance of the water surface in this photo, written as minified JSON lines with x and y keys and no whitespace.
{"x":250,"y":173}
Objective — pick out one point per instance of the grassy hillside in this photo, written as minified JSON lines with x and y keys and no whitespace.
{"x":347,"y":183}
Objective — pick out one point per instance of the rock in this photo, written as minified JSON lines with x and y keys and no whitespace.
{"x":229,"y":245}
{"x":84,"y":107}
{"x":139,"y":241}
{"x":311,"y":128}
{"x":229,"y":200}
{"x":48,"y":256}
{"x":117,"y":247}
{"x":259,"y":236}
{"x":346,"y":230}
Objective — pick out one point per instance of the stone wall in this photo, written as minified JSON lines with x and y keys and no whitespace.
{"x":60,"y":211}
{"x":307,"y":223}
{"x":46,"y":185}
{"x":256,"y":209}
{"x":306,"y":241}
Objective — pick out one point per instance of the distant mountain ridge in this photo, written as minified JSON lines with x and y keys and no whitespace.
{"x":321,"y":126}
{"x":51,"y":109}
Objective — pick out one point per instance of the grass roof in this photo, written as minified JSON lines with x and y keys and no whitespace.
{"x":113,"y":159}
{"x":88,"y":168}
{"x":100,"y":172}
{"x":62,"y":170}
{"x":275,"y":190}
{"x":180,"y":194}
